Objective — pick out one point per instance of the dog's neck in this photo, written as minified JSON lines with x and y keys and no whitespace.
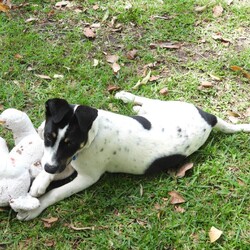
{"x":92,"y":133}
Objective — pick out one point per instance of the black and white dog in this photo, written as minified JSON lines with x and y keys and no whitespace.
{"x":95,"y":141}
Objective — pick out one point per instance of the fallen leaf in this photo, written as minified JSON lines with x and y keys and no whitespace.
{"x":112,"y":88}
{"x":1,"y":108}
{"x":131,"y":54}
{"x":47,"y":222}
{"x":18,"y":56}
{"x":96,"y":62}
{"x":217,"y":11}
{"x":63,"y":4}
{"x":56,"y":76}
{"x":31,"y":19}
{"x":181,"y":172}
{"x":116,"y":67}
{"x":247,"y":114}
{"x":219,"y":37}
{"x":234,"y":114}
{"x":163,"y":91}
{"x":216,"y":78}
{"x":165,"y":45}
{"x":4,"y":7}
{"x":95,"y":7}
{"x":179,"y":209}
{"x":214,"y":234}
{"x":43,"y":76}
{"x":200,"y":8}
{"x":95,"y":25}
{"x":246,"y":74}
{"x":154,"y":78}
{"x":206,"y":84}
{"x":236,"y":68}
{"x":89,"y":33}
{"x":50,"y":220}
{"x":143,"y":81}
{"x":50,"y":243}
{"x":112,"y":58}
{"x":176,"y":198}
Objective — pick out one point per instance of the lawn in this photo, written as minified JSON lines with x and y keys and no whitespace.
{"x":85,"y":51}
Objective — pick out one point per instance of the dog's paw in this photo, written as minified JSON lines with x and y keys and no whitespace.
{"x":40,"y":184}
{"x":25,"y":215}
{"x":125,"y":96}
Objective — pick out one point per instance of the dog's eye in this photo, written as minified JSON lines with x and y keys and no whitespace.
{"x":67,"y":141}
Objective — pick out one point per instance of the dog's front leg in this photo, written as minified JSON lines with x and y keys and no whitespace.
{"x":78,"y":184}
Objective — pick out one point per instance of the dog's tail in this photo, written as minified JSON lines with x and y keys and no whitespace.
{"x":226,"y":127}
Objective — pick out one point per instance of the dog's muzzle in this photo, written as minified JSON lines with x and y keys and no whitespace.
{"x":50,"y":168}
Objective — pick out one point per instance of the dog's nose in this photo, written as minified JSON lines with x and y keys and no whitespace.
{"x":50,"y":168}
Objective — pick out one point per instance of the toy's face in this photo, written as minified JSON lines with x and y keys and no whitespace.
{"x":11,"y":118}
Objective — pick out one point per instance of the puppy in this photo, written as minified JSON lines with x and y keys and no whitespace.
{"x":95,"y":141}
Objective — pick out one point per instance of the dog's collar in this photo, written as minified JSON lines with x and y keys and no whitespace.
{"x":74,"y":157}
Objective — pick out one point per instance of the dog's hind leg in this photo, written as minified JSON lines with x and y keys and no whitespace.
{"x":128,"y":97}
{"x":226,"y":127}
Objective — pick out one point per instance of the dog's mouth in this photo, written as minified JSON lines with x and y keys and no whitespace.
{"x":56,"y":169}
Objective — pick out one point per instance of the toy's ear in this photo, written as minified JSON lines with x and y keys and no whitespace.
{"x":85,"y":116}
{"x":56,"y":108}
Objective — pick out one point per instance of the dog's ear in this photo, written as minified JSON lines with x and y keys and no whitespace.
{"x":56,"y":108}
{"x":85,"y":116}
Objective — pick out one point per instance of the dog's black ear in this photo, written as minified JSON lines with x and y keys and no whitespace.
{"x":85,"y":116}
{"x":56,"y":108}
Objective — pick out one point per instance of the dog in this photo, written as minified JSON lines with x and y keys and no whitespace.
{"x":158,"y":138}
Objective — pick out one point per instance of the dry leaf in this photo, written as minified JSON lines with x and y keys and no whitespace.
{"x":116,"y":67}
{"x":179,"y":209}
{"x":96,"y":62}
{"x":181,"y":172}
{"x":131,"y":54}
{"x":18,"y":56}
{"x":163,"y":91}
{"x":112,"y":88}
{"x":246,"y":74}
{"x":95,"y":7}
{"x":234,"y":114}
{"x":219,"y":37}
{"x":56,"y":76}
{"x":50,"y":220}
{"x":89,"y":33}
{"x":31,"y":19}
{"x":200,"y":8}
{"x":63,"y":4}
{"x":4,"y":7}
{"x":143,"y":81}
{"x":43,"y":77}
{"x":154,"y":78}
{"x":236,"y":68}
{"x":247,"y":114}
{"x":112,"y":58}
{"x":50,"y":243}
{"x":214,"y":234}
{"x":176,"y":198}
{"x":217,"y":11}
{"x":206,"y":84}
{"x":95,"y":25}
{"x":165,"y":45}
{"x":216,"y":78}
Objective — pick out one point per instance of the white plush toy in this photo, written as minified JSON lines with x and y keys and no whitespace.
{"x":19,"y":166}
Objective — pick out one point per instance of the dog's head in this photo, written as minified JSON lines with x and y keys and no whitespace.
{"x":65,"y":133}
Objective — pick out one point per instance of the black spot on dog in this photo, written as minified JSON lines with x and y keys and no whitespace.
{"x":143,"y":121}
{"x":209,"y":118}
{"x":101,"y":149}
{"x":163,"y":129}
{"x":114,"y":153}
{"x":165,"y":163}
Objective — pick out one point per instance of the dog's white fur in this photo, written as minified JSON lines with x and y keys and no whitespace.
{"x":112,"y":133}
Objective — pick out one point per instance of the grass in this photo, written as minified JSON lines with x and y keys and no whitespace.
{"x":122,"y":211}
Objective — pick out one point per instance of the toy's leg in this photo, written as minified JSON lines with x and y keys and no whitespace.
{"x":78,"y":184}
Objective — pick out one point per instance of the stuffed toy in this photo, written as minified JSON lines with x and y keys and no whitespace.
{"x":22,"y":164}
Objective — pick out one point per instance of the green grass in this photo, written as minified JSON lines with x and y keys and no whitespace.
{"x":216,"y":190}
